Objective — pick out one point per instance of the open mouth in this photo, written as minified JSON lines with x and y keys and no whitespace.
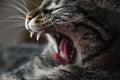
{"x":66,"y":50}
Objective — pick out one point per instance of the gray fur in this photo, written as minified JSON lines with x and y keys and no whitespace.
{"x":97,"y":57}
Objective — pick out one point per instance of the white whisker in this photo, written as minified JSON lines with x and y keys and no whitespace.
{"x":20,"y":31}
{"x":15,"y":17}
{"x":34,"y":4}
{"x":21,"y":5}
{"x":15,"y":33}
{"x":11,"y":21}
{"x":8,"y":9}
{"x":8,"y":28}
{"x":23,"y":2}
{"x":16,"y":7}
{"x":17,"y":24}
{"x":20,"y":10}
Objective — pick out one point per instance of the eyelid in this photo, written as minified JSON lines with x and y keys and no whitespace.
{"x":47,"y":10}
{"x":56,"y":1}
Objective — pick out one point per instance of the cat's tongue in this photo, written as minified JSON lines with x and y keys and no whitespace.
{"x":65,"y":48}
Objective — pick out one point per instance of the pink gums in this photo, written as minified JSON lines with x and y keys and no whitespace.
{"x":65,"y":48}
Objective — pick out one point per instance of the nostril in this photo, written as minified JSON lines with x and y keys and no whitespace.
{"x":29,"y":17}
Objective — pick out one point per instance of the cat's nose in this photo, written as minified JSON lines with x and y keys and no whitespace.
{"x":30,"y":24}
{"x":35,"y":20}
{"x":29,"y":17}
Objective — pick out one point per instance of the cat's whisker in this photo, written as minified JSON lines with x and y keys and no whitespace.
{"x":20,"y":30}
{"x":18,"y":24}
{"x":8,"y":9}
{"x":11,"y":21}
{"x":23,"y":1}
{"x":16,"y":7}
{"x":34,"y":4}
{"x":17,"y":32}
{"x":15,"y":17}
{"x":21,"y":5}
{"x":21,"y":10}
{"x":10,"y":28}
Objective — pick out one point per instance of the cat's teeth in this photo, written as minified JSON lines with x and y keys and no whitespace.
{"x":38,"y":35}
{"x":31,"y":34}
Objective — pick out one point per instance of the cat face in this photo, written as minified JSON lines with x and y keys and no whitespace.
{"x":51,"y":12}
{"x":77,"y":36}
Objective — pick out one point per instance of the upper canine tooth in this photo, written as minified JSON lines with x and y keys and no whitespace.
{"x":31,"y":34}
{"x":38,"y":35}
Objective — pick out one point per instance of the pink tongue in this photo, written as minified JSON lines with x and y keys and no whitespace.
{"x":63,"y":56}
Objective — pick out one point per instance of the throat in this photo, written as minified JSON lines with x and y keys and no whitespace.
{"x":64,"y":55}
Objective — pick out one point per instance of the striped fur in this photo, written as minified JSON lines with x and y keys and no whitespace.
{"x":97,"y":56}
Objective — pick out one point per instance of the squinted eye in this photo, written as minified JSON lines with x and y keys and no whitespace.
{"x":47,"y":11}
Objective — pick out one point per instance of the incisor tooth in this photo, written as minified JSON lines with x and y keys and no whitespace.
{"x":38,"y":35}
{"x":31,"y":34}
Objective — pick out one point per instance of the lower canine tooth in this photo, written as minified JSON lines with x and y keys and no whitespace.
{"x":38,"y":35}
{"x":31,"y":34}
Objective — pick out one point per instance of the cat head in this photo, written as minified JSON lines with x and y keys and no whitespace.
{"x":76,"y":35}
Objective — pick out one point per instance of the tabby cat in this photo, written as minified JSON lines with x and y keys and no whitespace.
{"x":84,"y":39}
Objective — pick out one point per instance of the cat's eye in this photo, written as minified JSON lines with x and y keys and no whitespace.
{"x":47,"y":11}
